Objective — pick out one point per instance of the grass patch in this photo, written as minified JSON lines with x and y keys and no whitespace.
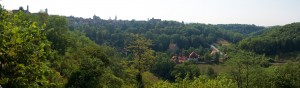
{"x":217,"y":68}
{"x":149,"y":79}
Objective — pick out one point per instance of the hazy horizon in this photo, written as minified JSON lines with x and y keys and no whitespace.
{"x":258,"y":12}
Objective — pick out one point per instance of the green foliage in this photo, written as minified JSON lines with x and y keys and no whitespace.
{"x":276,"y":40}
{"x":93,"y":74}
{"x":149,"y":79}
{"x":221,"y":81}
{"x":248,"y":69}
{"x":181,"y":70}
{"x":24,"y":53}
{"x":242,"y":28}
{"x":58,"y":33}
{"x":287,"y":76}
{"x":162,"y":33}
{"x":209,"y":72}
{"x":39,"y":50}
{"x":241,"y":64}
{"x":124,"y":70}
{"x":163,"y":68}
{"x":87,"y":64}
{"x":142,"y":55}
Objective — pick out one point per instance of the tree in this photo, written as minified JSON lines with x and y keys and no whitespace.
{"x":58,"y":33}
{"x":242,"y":65}
{"x":163,"y":67}
{"x":24,"y":54}
{"x":222,"y":81}
{"x":274,"y":41}
{"x":94,"y":74}
{"x":184,"y":69}
{"x":210,"y":72}
{"x":142,"y":55}
{"x":287,"y":76}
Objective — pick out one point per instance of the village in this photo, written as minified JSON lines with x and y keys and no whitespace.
{"x":195,"y":58}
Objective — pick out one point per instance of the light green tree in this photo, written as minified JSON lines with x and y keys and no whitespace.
{"x":242,"y":67}
{"x":143,"y":56}
{"x":24,"y":53}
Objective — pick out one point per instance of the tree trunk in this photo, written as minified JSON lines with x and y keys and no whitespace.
{"x":140,"y":80}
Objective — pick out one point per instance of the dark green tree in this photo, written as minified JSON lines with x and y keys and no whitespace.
{"x":163,"y":67}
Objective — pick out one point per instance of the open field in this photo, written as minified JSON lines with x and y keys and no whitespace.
{"x":217,"y":68}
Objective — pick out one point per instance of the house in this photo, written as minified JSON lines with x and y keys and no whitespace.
{"x":193,"y":57}
{"x":179,"y":59}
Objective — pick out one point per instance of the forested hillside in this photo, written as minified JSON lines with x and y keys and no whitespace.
{"x":38,"y":50}
{"x":276,"y":40}
{"x":52,"y":51}
{"x":162,"y":33}
{"x":242,"y":28}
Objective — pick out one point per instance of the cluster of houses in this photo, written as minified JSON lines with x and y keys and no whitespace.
{"x":194,"y":57}
{"x":181,"y":58}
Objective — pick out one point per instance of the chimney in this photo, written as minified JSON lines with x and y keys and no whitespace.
{"x":27,"y":8}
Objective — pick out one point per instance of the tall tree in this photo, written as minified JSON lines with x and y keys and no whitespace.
{"x":142,"y":55}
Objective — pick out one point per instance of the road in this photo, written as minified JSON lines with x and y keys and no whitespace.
{"x":213,"y":47}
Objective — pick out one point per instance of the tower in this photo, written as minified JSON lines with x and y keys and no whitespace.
{"x":27,"y":8}
{"x":116,"y":17}
{"x":46,"y":10}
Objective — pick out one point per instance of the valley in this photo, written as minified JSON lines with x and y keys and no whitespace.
{"x":55,"y":51}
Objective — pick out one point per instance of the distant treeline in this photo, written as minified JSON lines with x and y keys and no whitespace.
{"x":162,"y":33}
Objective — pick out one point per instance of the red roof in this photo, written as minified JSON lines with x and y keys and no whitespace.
{"x":179,"y":58}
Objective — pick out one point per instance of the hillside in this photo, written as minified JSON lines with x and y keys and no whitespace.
{"x":241,"y":28}
{"x":39,"y":50}
{"x":276,"y":40}
{"x":162,"y":33}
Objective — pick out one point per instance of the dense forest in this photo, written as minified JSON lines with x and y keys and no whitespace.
{"x":162,"y":33}
{"x":276,"y":40}
{"x":42,"y":50}
{"x":242,"y":28}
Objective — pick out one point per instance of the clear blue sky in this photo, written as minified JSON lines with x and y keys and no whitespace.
{"x":259,"y":12}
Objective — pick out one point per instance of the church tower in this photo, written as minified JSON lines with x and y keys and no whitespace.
{"x":27,"y":8}
{"x":46,"y":10}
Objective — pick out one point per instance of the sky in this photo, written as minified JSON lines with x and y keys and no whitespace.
{"x":258,"y":12}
